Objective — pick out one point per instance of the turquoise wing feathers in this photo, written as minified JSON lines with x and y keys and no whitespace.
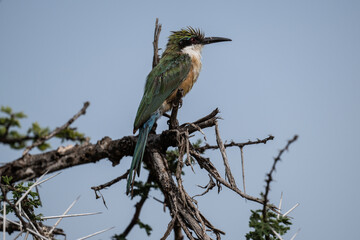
{"x":162,"y":81}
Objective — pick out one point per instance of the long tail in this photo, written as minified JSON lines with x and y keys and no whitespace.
{"x":140,"y":148}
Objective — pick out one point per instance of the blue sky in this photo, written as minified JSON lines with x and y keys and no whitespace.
{"x":293,"y":67}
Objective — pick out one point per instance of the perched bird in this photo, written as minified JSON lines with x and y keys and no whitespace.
{"x":178,"y":68}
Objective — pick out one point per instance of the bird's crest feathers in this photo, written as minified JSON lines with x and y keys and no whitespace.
{"x":186,"y":33}
{"x":184,"y":37}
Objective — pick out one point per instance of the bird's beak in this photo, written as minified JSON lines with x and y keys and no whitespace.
{"x":209,"y":40}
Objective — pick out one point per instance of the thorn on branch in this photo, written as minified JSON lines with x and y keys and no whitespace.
{"x":234,"y":144}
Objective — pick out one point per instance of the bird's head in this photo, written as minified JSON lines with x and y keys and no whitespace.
{"x":189,"y":36}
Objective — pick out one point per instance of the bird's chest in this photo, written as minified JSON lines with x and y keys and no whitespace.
{"x":193,"y":75}
{"x":194,"y":52}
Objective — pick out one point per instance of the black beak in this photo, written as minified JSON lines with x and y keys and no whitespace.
{"x":209,"y":40}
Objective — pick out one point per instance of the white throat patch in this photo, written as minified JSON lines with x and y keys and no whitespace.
{"x":194,"y":51}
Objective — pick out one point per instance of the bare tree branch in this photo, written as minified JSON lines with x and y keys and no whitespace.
{"x":138,"y":207}
{"x":234,"y":144}
{"x":224,"y":156}
{"x":108,"y":184}
{"x":269,"y":175}
{"x":176,"y":104}
{"x":57,"y":130}
{"x":157,"y":31}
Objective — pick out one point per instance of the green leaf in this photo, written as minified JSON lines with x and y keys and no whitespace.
{"x":144,"y":226}
{"x":262,"y":229}
{"x":20,"y":115}
{"x":118,"y":237}
{"x":71,"y":134}
{"x":2,"y":131}
{"x":44,"y":146}
{"x":3,"y":121}
{"x":7,"y":179}
{"x":6,"y":109}
{"x":38,"y":131}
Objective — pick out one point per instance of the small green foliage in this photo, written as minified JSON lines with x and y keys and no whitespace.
{"x":118,"y":237}
{"x":262,"y":228}
{"x":197,"y":143}
{"x":142,"y":189}
{"x":6,"y":109}
{"x":28,"y":204}
{"x":38,"y":131}
{"x":20,"y":115}
{"x":17,"y":140}
{"x":71,"y":134}
{"x":141,"y":225}
{"x":144,"y":226}
{"x":172,"y":157}
{"x":2,"y":130}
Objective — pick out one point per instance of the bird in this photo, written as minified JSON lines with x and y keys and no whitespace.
{"x":178,"y":68}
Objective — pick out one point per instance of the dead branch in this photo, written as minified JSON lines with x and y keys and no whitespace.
{"x":176,"y":104}
{"x":14,"y":227}
{"x":269,"y":175}
{"x":211,"y":184}
{"x":210,"y":168}
{"x":108,"y":184}
{"x":224,"y":156}
{"x":234,"y":144}
{"x":138,"y":207}
{"x":174,"y":200}
{"x":57,"y":130}
{"x":157,"y":31}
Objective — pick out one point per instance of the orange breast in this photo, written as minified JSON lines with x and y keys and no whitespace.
{"x":188,"y":83}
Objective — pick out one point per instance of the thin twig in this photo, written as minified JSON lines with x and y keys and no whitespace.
{"x":57,"y":130}
{"x":173,"y":122}
{"x":211,"y":184}
{"x":138,"y":207}
{"x":108,"y":184}
{"x":188,"y":157}
{"x":210,"y":168}
{"x":224,"y":156}
{"x":170,"y":227}
{"x":269,"y":175}
{"x":179,"y":167}
{"x":234,"y":144}
{"x":157,"y":31}
{"x":243,"y":167}
{"x":183,"y":226}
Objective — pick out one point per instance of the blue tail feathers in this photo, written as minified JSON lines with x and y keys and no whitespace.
{"x":140,"y":148}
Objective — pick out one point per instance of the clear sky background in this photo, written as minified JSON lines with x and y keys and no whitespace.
{"x":293,"y":67}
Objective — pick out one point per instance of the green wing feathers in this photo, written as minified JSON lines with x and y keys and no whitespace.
{"x":162,"y":81}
